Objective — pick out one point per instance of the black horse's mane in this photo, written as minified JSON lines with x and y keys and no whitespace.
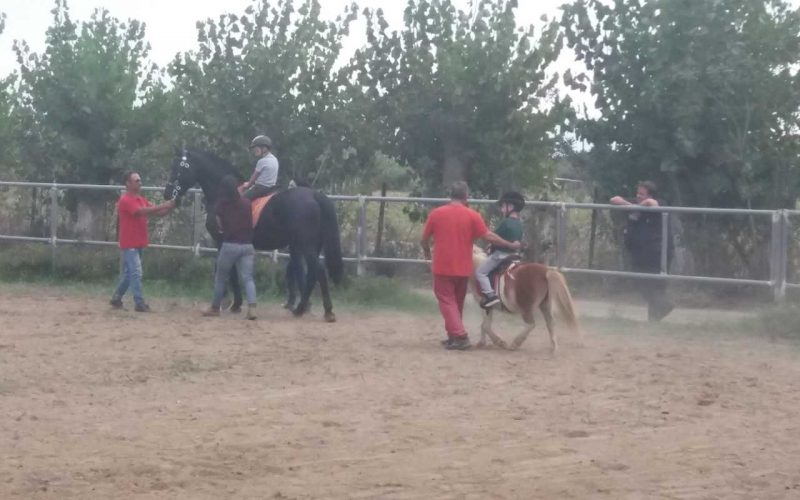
{"x":221,"y":164}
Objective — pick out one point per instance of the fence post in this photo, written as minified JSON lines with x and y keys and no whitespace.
{"x":361,"y":233}
{"x":664,"y":242}
{"x":53,"y":225}
{"x":778,"y":254}
{"x":561,"y":234}
{"x":195,"y":218}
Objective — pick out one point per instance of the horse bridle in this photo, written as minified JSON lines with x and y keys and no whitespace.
{"x":176,"y":186}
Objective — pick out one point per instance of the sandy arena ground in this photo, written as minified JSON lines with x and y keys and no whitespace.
{"x":112,"y":404}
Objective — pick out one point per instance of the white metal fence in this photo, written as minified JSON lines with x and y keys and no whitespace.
{"x":778,"y":252}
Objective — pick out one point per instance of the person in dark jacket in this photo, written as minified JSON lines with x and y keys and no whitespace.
{"x":235,"y":221}
{"x":643,"y":242}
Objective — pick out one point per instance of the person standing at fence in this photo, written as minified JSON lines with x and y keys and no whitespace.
{"x":643,"y":242}
{"x":133,"y":209}
{"x":454,"y":228}
{"x":235,"y":222}
{"x":264,"y":180}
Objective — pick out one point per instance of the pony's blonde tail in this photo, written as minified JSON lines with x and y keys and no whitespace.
{"x":559,"y":293}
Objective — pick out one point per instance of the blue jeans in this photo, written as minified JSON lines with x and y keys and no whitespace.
{"x":240,"y":255}
{"x":487,"y":266}
{"x":131,"y":275}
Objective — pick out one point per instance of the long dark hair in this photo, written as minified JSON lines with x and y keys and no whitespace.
{"x":229,"y":188}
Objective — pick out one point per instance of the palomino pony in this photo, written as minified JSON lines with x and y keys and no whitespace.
{"x":300,"y":218}
{"x":522,"y":288}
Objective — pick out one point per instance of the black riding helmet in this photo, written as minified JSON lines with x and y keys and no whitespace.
{"x":514,"y":198}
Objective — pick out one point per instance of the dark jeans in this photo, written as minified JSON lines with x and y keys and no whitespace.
{"x":654,"y":291}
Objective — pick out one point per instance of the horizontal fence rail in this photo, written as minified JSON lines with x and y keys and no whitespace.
{"x":778,"y":248}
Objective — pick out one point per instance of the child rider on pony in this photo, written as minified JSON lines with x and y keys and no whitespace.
{"x":510,"y":229}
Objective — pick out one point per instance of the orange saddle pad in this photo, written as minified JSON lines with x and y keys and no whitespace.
{"x":258,"y":205}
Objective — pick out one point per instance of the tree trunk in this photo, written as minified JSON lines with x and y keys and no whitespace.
{"x":91,"y":219}
{"x":453,"y":168}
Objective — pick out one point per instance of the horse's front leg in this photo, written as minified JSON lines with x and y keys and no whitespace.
{"x":486,"y":325}
{"x":486,"y":329}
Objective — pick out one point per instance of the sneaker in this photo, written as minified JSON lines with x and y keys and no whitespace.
{"x":211,"y":312}
{"x":251,"y":312}
{"x":458,"y":344}
{"x":489,"y":300}
{"x":142,"y":308}
{"x":116,"y":303}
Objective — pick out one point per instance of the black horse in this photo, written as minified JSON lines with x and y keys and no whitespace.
{"x":301,"y":218}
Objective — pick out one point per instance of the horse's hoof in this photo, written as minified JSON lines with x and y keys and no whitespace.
{"x":299,"y":311}
{"x":481,"y":344}
{"x":330,"y":317}
{"x":288,"y":305}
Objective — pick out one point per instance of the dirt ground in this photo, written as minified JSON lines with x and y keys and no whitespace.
{"x":104,"y":404}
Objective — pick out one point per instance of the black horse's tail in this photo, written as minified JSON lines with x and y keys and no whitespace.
{"x":330,"y":237}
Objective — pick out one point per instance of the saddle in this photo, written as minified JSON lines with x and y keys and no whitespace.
{"x":258,"y":205}
{"x":500,"y":271}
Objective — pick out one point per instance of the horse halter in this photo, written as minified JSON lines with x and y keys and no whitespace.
{"x":176,"y":186}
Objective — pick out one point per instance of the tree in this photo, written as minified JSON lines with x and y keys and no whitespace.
{"x":8,"y":150}
{"x":702,"y":96}
{"x":272,"y":71}
{"x":88,"y":105}
{"x":462,"y":97}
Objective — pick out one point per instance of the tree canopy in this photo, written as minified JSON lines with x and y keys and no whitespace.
{"x":88,"y":104}
{"x":463,"y":96}
{"x":703,"y":96}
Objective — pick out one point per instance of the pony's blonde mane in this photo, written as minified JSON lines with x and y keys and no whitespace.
{"x":478,"y":256}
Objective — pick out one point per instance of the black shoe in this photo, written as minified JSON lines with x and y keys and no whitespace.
{"x":142,"y":308}
{"x":458,"y":344}
{"x":116,"y":303}
{"x":490,"y":300}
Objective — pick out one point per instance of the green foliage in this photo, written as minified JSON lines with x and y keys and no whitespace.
{"x":702,"y":96}
{"x":271,"y":71}
{"x":462,"y":97}
{"x":170,"y":273}
{"x":87,"y":105}
{"x":8,"y":153}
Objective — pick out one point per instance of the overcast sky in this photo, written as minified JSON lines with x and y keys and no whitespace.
{"x":170,"y":24}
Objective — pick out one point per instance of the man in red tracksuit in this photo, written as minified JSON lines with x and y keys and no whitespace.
{"x":454,"y":228}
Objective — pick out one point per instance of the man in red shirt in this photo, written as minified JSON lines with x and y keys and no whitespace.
{"x":133,"y":210}
{"x":454,"y":228}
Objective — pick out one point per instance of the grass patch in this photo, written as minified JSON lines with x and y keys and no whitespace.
{"x":185,"y":366}
{"x":777,"y":322}
{"x":174,"y":274}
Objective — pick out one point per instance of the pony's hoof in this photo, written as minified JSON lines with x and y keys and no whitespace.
{"x":480,"y":344}
{"x":501,"y":344}
{"x":330,"y":317}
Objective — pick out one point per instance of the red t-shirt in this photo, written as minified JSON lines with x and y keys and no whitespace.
{"x":132,"y":228}
{"x":454,"y":228}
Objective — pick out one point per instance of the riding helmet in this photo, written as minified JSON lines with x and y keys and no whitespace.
{"x":261,"y":140}
{"x":514,"y":198}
